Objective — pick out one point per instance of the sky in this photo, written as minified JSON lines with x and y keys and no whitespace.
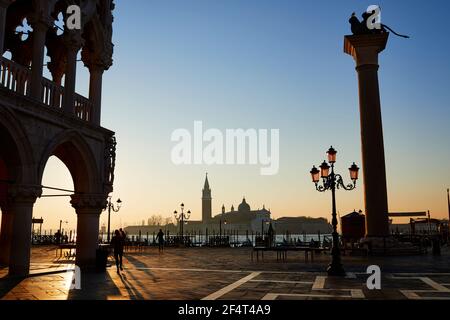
{"x":266,"y":64}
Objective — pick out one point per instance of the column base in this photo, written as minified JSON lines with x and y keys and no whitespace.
{"x":389,"y":246}
{"x":19,"y":271}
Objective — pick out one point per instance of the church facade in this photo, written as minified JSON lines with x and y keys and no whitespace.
{"x":242,"y":220}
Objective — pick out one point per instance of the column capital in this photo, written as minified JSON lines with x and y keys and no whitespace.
{"x":96,"y":61}
{"x":366,"y":47}
{"x":86,"y":203}
{"x":73,"y":40}
{"x":40,"y":22}
{"x":23,"y":193}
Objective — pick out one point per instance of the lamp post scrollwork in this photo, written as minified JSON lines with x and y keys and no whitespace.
{"x":332,"y":181}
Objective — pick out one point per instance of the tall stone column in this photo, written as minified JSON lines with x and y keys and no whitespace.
{"x":365,"y":49}
{"x":88,"y":208}
{"x":5,"y":235}
{"x":40,"y":27}
{"x":20,"y":203}
{"x":73,"y":42}
{"x":95,"y":92}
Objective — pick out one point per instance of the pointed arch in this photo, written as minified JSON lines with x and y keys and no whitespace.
{"x":72,"y":149}
{"x":15,"y":149}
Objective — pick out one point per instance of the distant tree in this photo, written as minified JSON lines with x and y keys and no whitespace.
{"x":168,"y":220}
{"x":155,"y":220}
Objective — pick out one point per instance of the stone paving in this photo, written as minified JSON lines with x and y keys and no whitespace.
{"x":210,"y":274}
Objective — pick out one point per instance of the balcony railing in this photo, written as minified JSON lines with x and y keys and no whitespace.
{"x":83,"y":108}
{"x":52,"y":94}
{"x":14,"y":77}
{"x":17,"y":78}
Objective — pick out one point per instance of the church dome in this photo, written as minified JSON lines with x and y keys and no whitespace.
{"x":244,"y":206}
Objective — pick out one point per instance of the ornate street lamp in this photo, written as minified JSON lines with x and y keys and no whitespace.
{"x":110,"y":206}
{"x":332,"y":181}
{"x":182,"y":217}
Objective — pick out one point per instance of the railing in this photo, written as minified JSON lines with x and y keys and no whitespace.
{"x":17,"y":78}
{"x":52,"y":93}
{"x":14,"y":77}
{"x":83,"y":108}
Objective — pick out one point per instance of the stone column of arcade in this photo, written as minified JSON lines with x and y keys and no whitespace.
{"x":20,"y":204}
{"x":365,"y":49}
{"x":88,"y":208}
{"x":73,"y":42}
{"x":40,"y":27}
{"x":5,"y":235}
{"x":95,"y":91}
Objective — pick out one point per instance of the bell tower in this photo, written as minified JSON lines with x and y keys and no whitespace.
{"x":206,"y":202}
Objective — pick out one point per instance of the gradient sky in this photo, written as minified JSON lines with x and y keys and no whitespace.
{"x":267,"y":65}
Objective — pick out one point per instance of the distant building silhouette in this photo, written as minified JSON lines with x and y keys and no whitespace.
{"x":241,"y":220}
{"x":206,"y":202}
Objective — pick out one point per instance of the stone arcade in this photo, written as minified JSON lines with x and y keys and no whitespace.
{"x":40,"y":118}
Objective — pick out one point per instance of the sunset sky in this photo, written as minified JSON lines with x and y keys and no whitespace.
{"x":267,"y":65}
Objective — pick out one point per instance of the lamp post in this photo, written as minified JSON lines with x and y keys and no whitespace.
{"x":110,"y":207}
{"x":60,"y":230}
{"x":332,"y":181}
{"x":181,"y":217}
{"x":448,"y":203}
{"x":263,"y":221}
{"x":220,"y":226}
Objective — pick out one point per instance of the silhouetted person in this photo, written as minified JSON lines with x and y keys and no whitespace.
{"x":123,"y":234}
{"x":117,"y":242}
{"x":58,"y":237}
{"x":160,"y":237}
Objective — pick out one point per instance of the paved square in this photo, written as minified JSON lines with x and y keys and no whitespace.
{"x":217,"y":274}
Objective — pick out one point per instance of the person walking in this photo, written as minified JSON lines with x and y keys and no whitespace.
{"x":160,"y":237}
{"x":123,"y":234}
{"x":117,"y":243}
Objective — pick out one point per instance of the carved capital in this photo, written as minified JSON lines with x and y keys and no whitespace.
{"x":365,"y":48}
{"x":42,"y":13}
{"x":89,"y":202}
{"x":23,"y":193}
{"x":73,"y":40}
{"x":97,"y":57}
{"x":40,"y":21}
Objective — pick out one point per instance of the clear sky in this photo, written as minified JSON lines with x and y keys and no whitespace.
{"x":267,"y":65}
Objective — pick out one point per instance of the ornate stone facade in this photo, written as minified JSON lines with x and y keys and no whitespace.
{"x":40,"y":118}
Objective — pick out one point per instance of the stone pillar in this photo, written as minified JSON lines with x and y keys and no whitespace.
{"x":88,"y":208}
{"x":365,"y":49}
{"x":95,"y":92}
{"x":20,"y":203}
{"x":40,"y":28}
{"x":73,"y":43}
{"x":5,"y":235}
